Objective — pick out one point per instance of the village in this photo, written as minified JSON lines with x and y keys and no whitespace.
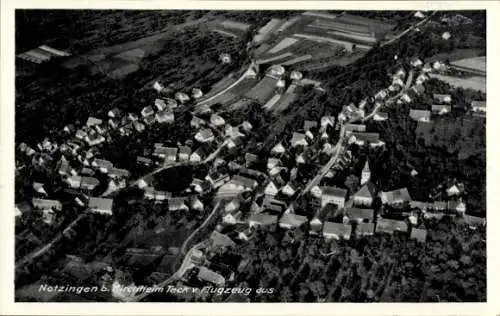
{"x":292,"y":187}
{"x":272,"y":196}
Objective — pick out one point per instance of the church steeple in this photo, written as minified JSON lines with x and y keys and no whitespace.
{"x":365,"y":174}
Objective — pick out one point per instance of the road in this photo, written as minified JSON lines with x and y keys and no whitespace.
{"x":243,"y":76}
{"x":408,"y":82}
{"x":324,"y":170}
{"x":41,"y":251}
{"x":392,"y":40}
{"x":185,"y":262}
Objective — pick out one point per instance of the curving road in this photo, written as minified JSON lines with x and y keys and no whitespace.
{"x":186,"y":261}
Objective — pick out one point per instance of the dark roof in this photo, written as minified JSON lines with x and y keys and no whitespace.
{"x":354,"y":213}
{"x":336,"y":228}
{"x":390,"y":225}
{"x":368,"y":190}
{"x":334,"y":191}
{"x":365,"y":228}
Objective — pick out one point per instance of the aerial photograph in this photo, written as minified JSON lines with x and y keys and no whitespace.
{"x":299,"y":156}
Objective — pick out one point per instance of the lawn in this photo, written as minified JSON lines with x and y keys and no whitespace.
{"x":263,"y":90}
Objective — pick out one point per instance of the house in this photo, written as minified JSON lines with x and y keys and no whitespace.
{"x":244,"y":182}
{"x":416,"y":62}
{"x":478,"y":106}
{"x":149,"y":120}
{"x":113,"y":123}
{"x":45,"y":204}
{"x":181,"y":97}
{"x":365,"y":194}
{"x":420,"y":115}
{"x":184,"y":153}
{"x":217,"y":120}
{"x":195,"y":203}
{"x":165,"y":117}
{"x":382,"y":94}
{"x":360,"y":214}
{"x":275,"y":205}
{"x":118,"y":173}
{"x":139,"y":126}
{"x":89,"y":183}
{"x":246,"y":126}
{"x":300,"y":158}
{"x":327,"y":121}
{"x":250,"y":159}
{"x":74,"y":181}
{"x":205,"y":136}
{"x":442,"y":98}
{"x":333,"y":195}
{"x":380,"y":116}
{"x":126,"y":129}
{"x":440,"y":109}
{"x":115,"y":113}
{"x":144,"y":161}
{"x":207,"y":275}
{"x":298,"y":139}
{"x":70,"y":129}
{"x":217,"y":179}
{"x":271,"y":189}
{"x":395,"y":197}
{"x":457,"y":206}
{"x":133,"y":117}
{"x":385,"y":225}
{"x":101,"y":205}
{"x":308,"y":125}
{"x":158,"y":86}
{"x":349,"y":128}
{"x":102,"y":165}
{"x":474,"y":221}
{"x":321,"y":214}
{"x":162,"y":195}
{"x":289,"y":189}
{"x":220,"y":240}
{"x":419,"y":15}
{"x":225,"y":58}
{"x":439,"y":206}
{"x":160,"y":105}
{"x":171,"y":103}
{"x":291,"y":221}
{"x":446,"y":36}
{"x":406,"y":98}
{"x":170,"y":154}
{"x":39,"y":188}
{"x":199,"y":154}
{"x":455,"y":189}
{"x":273,"y":163}
{"x":421,"y":79}
{"x":196,"y":93}
{"x":365,"y":229}
{"x":336,"y":231}
{"x":92,"y":121}
{"x":419,"y":234}
{"x":278,"y":149}
{"x":373,"y":139}
{"x":147,"y":111}
{"x":296,"y":75}
{"x":418,"y":88}
{"x":178,"y":203}
{"x":233,"y":133}
{"x":149,"y":193}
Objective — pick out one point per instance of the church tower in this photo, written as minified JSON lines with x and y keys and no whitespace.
{"x":365,"y":174}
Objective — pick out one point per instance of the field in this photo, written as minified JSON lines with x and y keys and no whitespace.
{"x":474,"y":63}
{"x":288,"y":97}
{"x":285,"y":42}
{"x":263,"y":90}
{"x":243,"y":86}
{"x":275,"y":58}
{"x":475,"y":82}
{"x":457,"y":54}
{"x":297,"y":60}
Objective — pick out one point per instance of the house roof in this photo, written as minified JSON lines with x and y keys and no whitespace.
{"x":310,"y":124}
{"x":441,"y":97}
{"x":221,"y":240}
{"x":100,"y":203}
{"x":365,"y":228}
{"x":355,"y":127}
{"x":420,"y":114}
{"x":298,"y":137}
{"x":244,"y":181}
{"x":419,"y":234}
{"x":334,"y":191}
{"x":440,"y":107}
{"x":480,"y":104}
{"x":368,"y":137}
{"x":390,"y":225}
{"x":44,"y":203}
{"x":264,"y":218}
{"x":336,"y":228}
{"x":367,"y":191}
{"x":102,"y":163}
{"x":205,"y":133}
{"x":208,"y":275}
{"x":293,"y":220}
{"x":89,"y":181}
{"x":184,"y":150}
{"x":353,"y":212}
{"x":396,"y":196}
{"x":91,"y":121}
